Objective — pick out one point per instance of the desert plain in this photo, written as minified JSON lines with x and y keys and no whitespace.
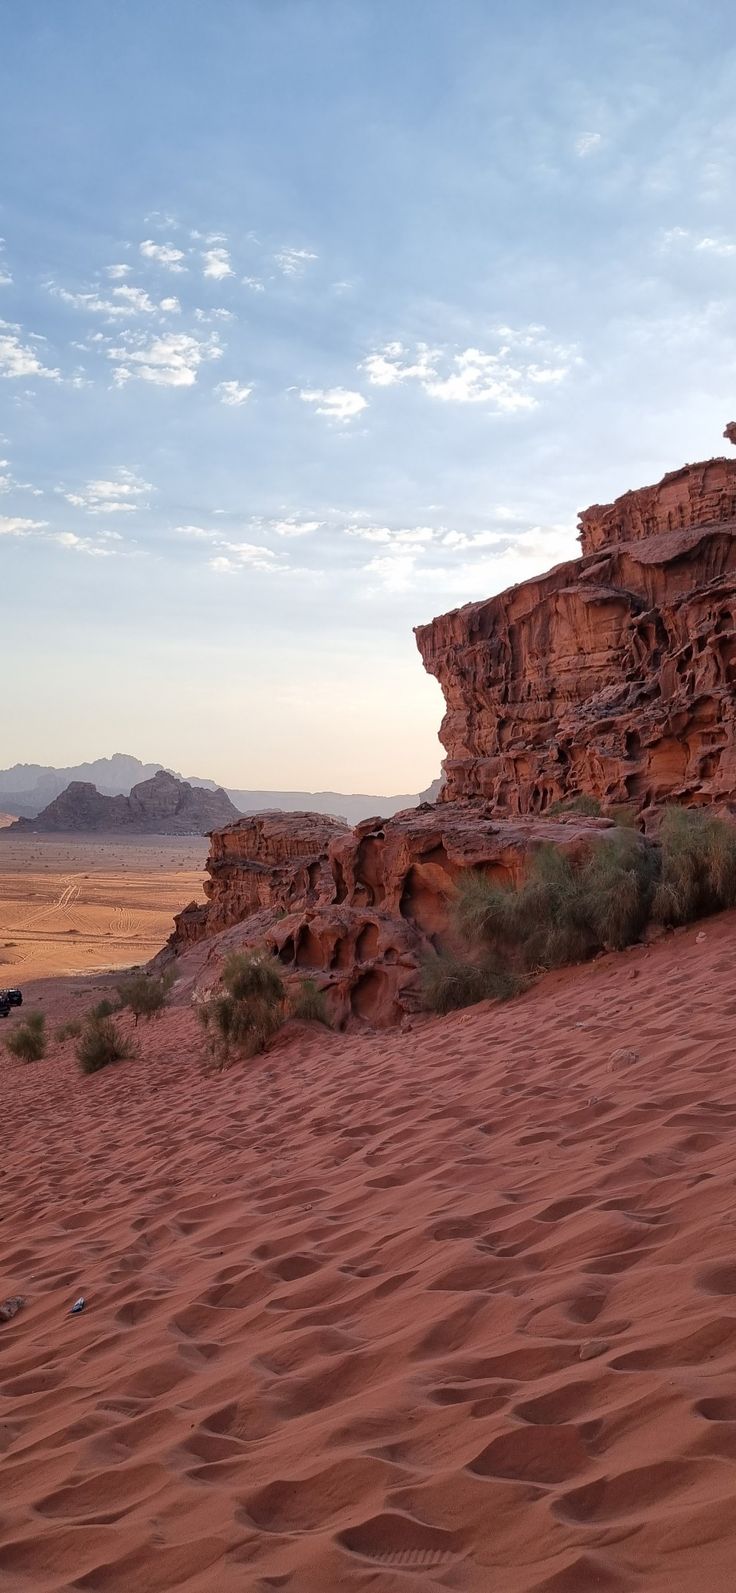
{"x":76,"y":904}
{"x":448,"y":1308}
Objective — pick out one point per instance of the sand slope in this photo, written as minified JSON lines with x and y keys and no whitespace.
{"x":448,"y":1310}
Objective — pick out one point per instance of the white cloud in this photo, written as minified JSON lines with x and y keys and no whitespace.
{"x":384,"y":534}
{"x":292,"y":262}
{"x":395,"y":571}
{"x":682,"y":237}
{"x":12,"y":526}
{"x":76,"y":544}
{"x":246,"y":555}
{"x":588,"y":143}
{"x":214,"y":315}
{"x":503,"y":379}
{"x":135,"y":299}
{"x":293,"y":527}
{"x":164,"y":254}
{"x":171,"y":360}
{"x":387,"y":366}
{"x":117,"y":496}
{"x":170,"y":306}
{"x":198,"y":532}
{"x":117,"y":272}
{"x":217,"y":263}
{"x":338,"y":403}
{"x":233,"y":393}
{"x":719,"y":246}
{"x":254,"y":283}
{"x":17,"y":359}
{"x":5,"y":276}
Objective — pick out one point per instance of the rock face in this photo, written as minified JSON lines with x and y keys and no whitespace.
{"x":162,"y":805}
{"x":613,"y":675}
{"x":358,"y":909}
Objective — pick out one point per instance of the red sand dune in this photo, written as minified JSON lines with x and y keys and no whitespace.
{"x":452,"y":1309}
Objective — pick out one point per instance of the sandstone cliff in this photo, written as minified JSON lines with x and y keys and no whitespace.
{"x":612,"y":675}
{"x":160,"y":806}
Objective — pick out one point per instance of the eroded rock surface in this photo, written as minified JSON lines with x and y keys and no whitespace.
{"x":357,"y":909}
{"x":614,"y":674}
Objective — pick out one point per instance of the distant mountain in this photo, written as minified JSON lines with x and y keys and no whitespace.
{"x":162,"y":805}
{"x":27,"y":788}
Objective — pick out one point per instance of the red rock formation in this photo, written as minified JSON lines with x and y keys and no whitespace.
{"x":162,"y":805}
{"x":613,"y":675}
{"x":358,"y":909}
{"x":696,"y":495}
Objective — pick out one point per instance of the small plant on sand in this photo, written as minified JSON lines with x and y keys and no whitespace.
{"x":698,"y":872}
{"x":308,"y":1002}
{"x":28,"y":1042}
{"x":145,"y":994}
{"x":104,"y":1009}
{"x":68,"y":1031}
{"x":100,"y":1044}
{"x":449,"y":982}
{"x":249,"y":1009}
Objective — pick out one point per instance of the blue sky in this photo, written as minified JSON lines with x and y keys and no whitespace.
{"x":320,"y":317}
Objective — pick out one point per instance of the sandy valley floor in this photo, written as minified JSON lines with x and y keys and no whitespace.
{"x":452,"y":1309}
{"x":70,"y":904}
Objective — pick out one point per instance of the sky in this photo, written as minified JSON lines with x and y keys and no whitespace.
{"x":319,"y":318}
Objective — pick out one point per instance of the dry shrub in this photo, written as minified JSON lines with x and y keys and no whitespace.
{"x":68,"y":1031}
{"x":587,"y":806}
{"x":28,"y":1041}
{"x":308,"y":1003}
{"x":144,"y":994}
{"x":102,"y":1043}
{"x":246,"y":1014}
{"x":449,"y":982}
{"x":698,"y":873}
{"x":563,"y":911}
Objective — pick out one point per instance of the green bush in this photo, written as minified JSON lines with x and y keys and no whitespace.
{"x":28,"y":1041}
{"x":563,"y":911}
{"x":308,"y":1002}
{"x":449,"y":982}
{"x":144,"y":994}
{"x":100,"y":1044}
{"x":249,"y":974}
{"x":68,"y":1031}
{"x":246,"y":1014}
{"x":698,"y":873}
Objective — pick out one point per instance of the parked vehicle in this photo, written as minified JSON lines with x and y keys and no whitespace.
{"x":8,"y":999}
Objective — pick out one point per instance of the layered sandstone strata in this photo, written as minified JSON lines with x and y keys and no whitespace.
{"x":614,"y":675}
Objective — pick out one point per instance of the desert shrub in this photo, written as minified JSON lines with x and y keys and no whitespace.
{"x":28,"y":1041}
{"x":100,"y":1044}
{"x":104,"y":1009}
{"x":68,"y":1031}
{"x":308,"y":1002}
{"x":249,"y":974}
{"x":564,"y":910}
{"x":588,"y":806}
{"x":247,"y":1012}
{"x":145,"y":994}
{"x":698,"y":873}
{"x":449,"y":982}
